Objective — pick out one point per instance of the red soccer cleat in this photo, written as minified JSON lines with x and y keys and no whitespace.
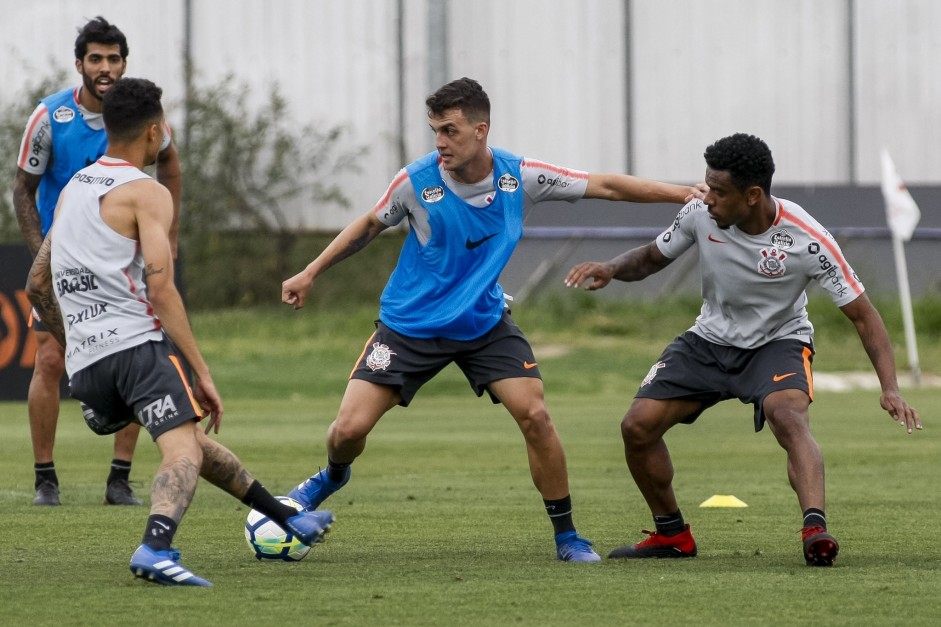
{"x":659,"y":545}
{"x":820,"y":548}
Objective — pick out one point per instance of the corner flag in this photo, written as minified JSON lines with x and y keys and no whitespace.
{"x":902,"y":215}
{"x":901,"y":212}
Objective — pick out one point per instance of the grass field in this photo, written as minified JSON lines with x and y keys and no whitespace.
{"x":440,"y":524}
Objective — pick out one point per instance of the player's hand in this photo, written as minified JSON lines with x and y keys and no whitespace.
{"x":698,"y":191}
{"x":596,"y":274}
{"x":900,"y":410}
{"x":294,"y":290}
{"x":204,"y":390}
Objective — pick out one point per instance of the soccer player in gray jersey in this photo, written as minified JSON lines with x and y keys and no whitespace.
{"x":106,"y":268}
{"x":752,"y":340}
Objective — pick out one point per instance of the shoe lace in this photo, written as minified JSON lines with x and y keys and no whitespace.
{"x":653,"y":538}
{"x":808,"y":532}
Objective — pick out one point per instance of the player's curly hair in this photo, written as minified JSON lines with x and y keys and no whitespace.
{"x":465,"y":94}
{"x":745,"y":157}
{"x":129,"y":106}
{"x":99,"y":31}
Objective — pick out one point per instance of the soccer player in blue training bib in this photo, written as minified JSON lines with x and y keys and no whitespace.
{"x":464,"y":203}
{"x":107,"y":267}
{"x":64,"y":134}
{"x":752,"y":340}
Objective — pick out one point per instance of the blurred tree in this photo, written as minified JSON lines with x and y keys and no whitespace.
{"x":13,"y":116}
{"x":246,"y":171}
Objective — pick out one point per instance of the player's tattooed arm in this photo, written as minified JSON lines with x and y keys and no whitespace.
{"x":39,"y":290}
{"x":150,"y":269}
{"x":24,"y":204}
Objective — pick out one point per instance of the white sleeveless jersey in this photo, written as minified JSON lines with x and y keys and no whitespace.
{"x":98,"y":274}
{"x":753,"y":285}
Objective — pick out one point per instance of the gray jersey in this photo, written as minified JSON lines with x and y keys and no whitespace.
{"x":753,"y":285}
{"x":98,"y":274}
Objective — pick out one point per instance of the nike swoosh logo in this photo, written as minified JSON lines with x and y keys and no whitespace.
{"x":717,"y":241}
{"x":530,"y":366}
{"x":471,"y":245}
{"x":779,"y":377}
{"x":164,"y":525}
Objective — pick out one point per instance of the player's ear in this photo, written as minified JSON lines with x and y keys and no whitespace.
{"x":753,"y":195}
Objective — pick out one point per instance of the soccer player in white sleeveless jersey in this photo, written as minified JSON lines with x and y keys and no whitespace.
{"x":64,"y":134}
{"x":106,"y":269}
{"x":752,"y":340}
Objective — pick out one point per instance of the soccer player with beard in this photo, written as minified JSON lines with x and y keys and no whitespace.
{"x":64,"y":134}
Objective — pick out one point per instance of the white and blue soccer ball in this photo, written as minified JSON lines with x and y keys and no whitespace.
{"x":268,"y":541}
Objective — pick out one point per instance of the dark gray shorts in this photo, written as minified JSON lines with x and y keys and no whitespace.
{"x":693,"y":368}
{"x":407,"y":363}
{"x":35,"y":322}
{"x":145,"y":383}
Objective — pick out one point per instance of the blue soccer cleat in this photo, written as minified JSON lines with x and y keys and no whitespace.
{"x":310,"y":527}
{"x":570,"y":547}
{"x":314,"y":491}
{"x":162,"y":567}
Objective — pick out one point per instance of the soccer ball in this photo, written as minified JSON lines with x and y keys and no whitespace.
{"x":268,"y":541}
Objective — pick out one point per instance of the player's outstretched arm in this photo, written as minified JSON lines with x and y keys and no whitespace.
{"x":634,"y":265}
{"x":875,"y":339}
{"x":635,"y":189}
{"x":350,"y":240}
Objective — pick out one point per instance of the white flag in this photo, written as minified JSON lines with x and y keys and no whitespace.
{"x":901,"y":212}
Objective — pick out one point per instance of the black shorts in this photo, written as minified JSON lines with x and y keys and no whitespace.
{"x":35,"y":322}
{"x":407,"y":363}
{"x":693,"y":368}
{"x":145,"y":383}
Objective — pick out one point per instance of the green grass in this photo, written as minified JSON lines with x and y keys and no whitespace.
{"x":441,"y":525}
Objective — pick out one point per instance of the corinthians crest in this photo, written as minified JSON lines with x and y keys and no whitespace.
{"x":771,"y":263}
{"x":380,"y":357}
{"x":652,"y":373}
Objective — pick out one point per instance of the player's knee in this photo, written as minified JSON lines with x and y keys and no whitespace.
{"x":535,"y":422}
{"x":50,"y":361}
{"x":344,"y":431}
{"x":634,"y":431}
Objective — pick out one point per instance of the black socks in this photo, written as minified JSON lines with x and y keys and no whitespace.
{"x":336,"y":471}
{"x":560,"y":514}
{"x":671,"y":524}
{"x":45,"y":472}
{"x":159,"y":533}
{"x":120,"y":469}
{"x":260,"y":499}
{"x":815,"y":518}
